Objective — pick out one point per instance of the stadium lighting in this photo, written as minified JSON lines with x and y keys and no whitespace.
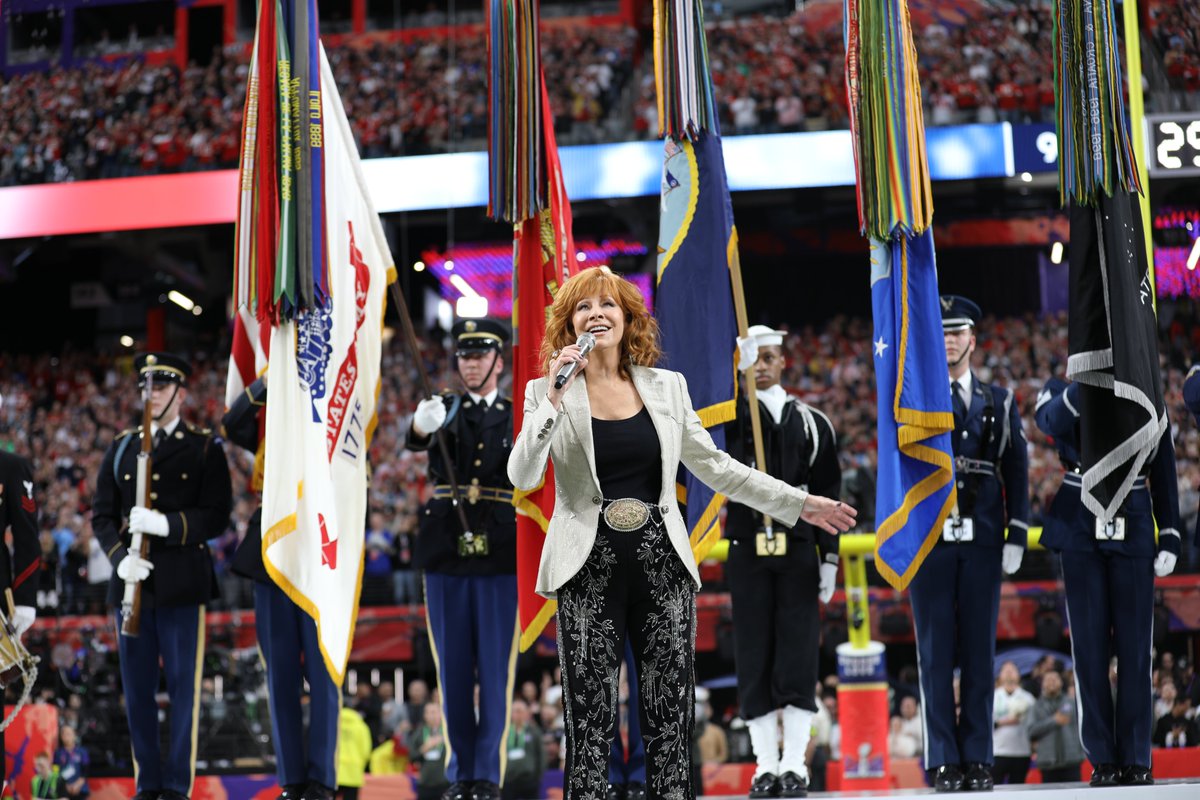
{"x":180,"y":299}
{"x":127,"y":341}
{"x":1025,"y":176}
{"x":1194,"y":256}
{"x":471,"y":306}
{"x":581,"y":256}
{"x":464,"y":287}
{"x":197,"y":311}
{"x":1056,"y":253}
{"x":419,"y":266}
{"x":449,"y":265}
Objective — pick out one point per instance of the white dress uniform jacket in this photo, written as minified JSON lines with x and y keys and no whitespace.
{"x":565,"y":436}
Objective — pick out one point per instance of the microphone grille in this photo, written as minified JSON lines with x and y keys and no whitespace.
{"x":586,"y":341}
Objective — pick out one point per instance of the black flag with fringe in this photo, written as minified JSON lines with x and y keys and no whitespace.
{"x":1113,"y":349}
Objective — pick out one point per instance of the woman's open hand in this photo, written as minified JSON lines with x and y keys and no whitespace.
{"x":831,"y":516}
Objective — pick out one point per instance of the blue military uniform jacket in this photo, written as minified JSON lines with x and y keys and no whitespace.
{"x":1191,"y":396}
{"x":1068,"y":525}
{"x":240,"y":426}
{"x":479,"y":444}
{"x":190,"y":485}
{"x":992,"y":466}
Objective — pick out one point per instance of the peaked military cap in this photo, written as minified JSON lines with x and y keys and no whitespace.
{"x":958,"y":312}
{"x":165,"y":368}
{"x":479,"y":335}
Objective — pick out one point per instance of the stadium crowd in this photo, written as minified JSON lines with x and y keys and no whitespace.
{"x":1176,"y":31}
{"x":771,"y":74}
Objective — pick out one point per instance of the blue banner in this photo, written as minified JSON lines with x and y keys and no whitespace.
{"x":915,"y":490}
{"x":694,"y":306}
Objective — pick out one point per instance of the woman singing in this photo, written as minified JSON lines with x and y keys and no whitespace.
{"x":617,"y":556}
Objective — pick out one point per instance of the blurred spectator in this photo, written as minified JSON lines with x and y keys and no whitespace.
{"x":378,"y":588}
{"x":906,"y":735}
{"x":393,"y":757}
{"x":47,"y":783}
{"x":71,"y":759}
{"x":1010,"y":740}
{"x":1177,"y":729}
{"x":406,"y":580}
{"x":1032,"y":682}
{"x":1054,"y":730}
{"x":714,"y":744}
{"x":428,"y":748}
{"x":526,"y":755}
{"x":353,"y":752}
{"x":1164,"y":703}
{"x":418,"y":696}
{"x":370,"y":706}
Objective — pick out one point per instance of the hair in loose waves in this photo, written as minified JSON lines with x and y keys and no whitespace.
{"x":640,"y":343}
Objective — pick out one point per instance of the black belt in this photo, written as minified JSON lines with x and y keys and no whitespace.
{"x":474,"y":493}
{"x":973,"y":466}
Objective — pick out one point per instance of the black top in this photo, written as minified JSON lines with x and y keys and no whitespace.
{"x":628,"y":457}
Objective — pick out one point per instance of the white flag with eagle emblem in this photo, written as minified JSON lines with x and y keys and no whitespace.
{"x":324,"y":382}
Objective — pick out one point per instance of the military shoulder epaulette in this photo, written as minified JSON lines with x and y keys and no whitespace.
{"x":128,"y":432}
{"x":198,"y":430}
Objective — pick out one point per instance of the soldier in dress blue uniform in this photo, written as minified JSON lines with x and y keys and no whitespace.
{"x":1108,"y":574}
{"x":775,"y":583}
{"x":305,"y":766}
{"x":191,"y":500}
{"x":956,"y":593}
{"x":18,"y":569}
{"x":470,"y":581}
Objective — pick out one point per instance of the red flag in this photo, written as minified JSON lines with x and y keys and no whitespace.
{"x":543,"y":257}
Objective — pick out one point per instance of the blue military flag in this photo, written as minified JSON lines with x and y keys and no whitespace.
{"x":697,"y":246}
{"x":915,"y":489}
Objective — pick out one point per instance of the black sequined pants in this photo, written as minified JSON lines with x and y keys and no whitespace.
{"x":631,"y":584}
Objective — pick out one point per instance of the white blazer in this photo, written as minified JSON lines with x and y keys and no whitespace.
{"x":566,"y":437}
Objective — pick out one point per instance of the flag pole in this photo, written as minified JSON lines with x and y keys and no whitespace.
{"x":1137,"y":126}
{"x":410,"y":335}
{"x":739,"y":309}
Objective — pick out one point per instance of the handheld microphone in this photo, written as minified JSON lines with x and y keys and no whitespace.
{"x":586,"y":342}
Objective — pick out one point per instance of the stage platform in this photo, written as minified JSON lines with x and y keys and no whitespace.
{"x":1171,"y":789}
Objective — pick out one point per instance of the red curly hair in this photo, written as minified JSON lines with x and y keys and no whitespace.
{"x":640,"y":343}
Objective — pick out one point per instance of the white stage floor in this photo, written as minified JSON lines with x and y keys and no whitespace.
{"x":1183,"y":789}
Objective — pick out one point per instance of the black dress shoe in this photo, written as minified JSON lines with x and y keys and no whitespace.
{"x":291,"y":791}
{"x":792,"y":785}
{"x":459,"y":790}
{"x":1105,"y":775}
{"x":765,"y":785}
{"x":947,"y":778}
{"x":1134,"y":775}
{"x":146,"y":794}
{"x":635,"y":791}
{"x":171,"y":794}
{"x":616,"y":791}
{"x":978,"y":778}
{"x":485,"y":790}
{"x":317,"y":791}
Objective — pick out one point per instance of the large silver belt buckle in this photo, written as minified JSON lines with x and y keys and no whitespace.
{"x":626,"y":514}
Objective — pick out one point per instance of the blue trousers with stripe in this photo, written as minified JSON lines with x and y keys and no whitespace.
{"x":1110,"y":610}
{"x":176,"y":636}
{"x":288,"y":639}
{"x":472,"y":626}
{"x":629,"y":767}
{"x":955,"y":602}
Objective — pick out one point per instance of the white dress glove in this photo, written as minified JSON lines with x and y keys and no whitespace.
{"x":747,"y":352}
{"x":148,"y":521}
{"x":429,"y":416}
{"x":134,"y":568}
{"x":1164,"y":563}
{"x":828,"y":582}
{"x":1010,"y":559}
{"x":23,"y":618}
